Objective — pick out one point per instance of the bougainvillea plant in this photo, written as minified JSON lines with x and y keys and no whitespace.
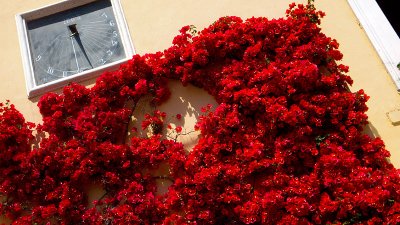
{"x":284,"y":145}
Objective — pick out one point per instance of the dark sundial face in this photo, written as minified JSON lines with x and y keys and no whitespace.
{"x":73,"y":41}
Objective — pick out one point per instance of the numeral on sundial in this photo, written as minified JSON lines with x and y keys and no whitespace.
{"x":50,"y":70}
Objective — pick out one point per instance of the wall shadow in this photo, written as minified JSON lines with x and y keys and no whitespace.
{"x":186,"y":101}
{"x":371,"y":131}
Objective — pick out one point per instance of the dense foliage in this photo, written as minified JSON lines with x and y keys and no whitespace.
{"x":284,"y":146}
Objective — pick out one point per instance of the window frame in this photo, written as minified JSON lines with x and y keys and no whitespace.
{"x":381,"y":33}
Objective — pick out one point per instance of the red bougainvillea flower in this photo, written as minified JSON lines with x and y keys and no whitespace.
{"x":284,"y":145}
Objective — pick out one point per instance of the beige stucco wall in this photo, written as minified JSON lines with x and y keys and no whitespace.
{"x":154,"y":23}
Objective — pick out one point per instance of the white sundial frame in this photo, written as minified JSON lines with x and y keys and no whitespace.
{"x":22,"y":19}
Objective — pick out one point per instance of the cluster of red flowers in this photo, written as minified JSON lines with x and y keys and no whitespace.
{"x":284,"y":146}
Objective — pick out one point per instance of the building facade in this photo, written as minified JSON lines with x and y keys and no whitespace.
{"x":153,"y":24}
